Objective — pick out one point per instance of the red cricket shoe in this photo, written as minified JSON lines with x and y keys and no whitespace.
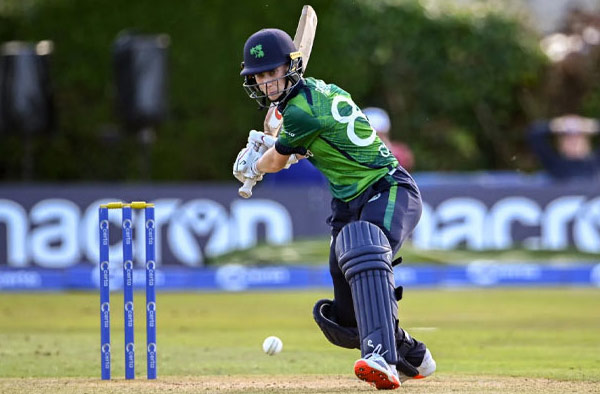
{"x":375,"y":370}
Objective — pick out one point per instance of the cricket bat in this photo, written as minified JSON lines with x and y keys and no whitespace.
{"x":303,"y":40}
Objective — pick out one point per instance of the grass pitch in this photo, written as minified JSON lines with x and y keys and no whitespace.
{"x":485,"y":341}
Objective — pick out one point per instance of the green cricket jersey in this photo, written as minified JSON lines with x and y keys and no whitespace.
{"x":323,"y":119}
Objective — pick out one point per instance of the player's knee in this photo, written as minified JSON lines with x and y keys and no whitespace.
{"x":362,"y":246}
{"x":346,"y":337}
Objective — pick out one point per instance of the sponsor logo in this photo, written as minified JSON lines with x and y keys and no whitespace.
{"x":486,"y":274}
{"x":467,"y":222}
{"x":104,"y":228}
{"x":128,"y":267}
{"x":21,"y":279}
{"x":235,"y":277}
{"x":115,"y":276}
{"x":288,"y":133}
{"x":151,"y":355}
{"x":130,"y":355}
{"x":150,"y":273}
{"x":151,"y":319}
{"x":105,"y":315}
{"x":191,"y":230}
{"x":375,"y":197}
{"x":150,"y":232}
{"x":127,"y":232}
{"x":151,"y":314}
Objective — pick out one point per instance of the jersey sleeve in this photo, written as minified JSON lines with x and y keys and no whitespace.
{"x":300,"y":128}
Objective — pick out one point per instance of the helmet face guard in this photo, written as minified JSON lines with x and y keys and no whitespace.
{"x":291,"y":78}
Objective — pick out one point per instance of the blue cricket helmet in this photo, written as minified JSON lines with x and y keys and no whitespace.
{"x":266,"y":50}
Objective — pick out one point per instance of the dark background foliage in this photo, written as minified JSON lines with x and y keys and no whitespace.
{"x":461,"y":88}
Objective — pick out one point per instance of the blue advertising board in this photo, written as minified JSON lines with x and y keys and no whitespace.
{"x":233,"y":277}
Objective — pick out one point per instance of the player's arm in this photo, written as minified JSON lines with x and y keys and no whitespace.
{"x":272,"y":161}
{"x":300,"y":128}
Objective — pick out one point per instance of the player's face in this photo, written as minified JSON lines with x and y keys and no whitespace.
{"x":272,"y":82}
{"x":574,"y":145}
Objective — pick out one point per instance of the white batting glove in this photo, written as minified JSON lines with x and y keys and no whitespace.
{"x":253,"y":173}
{"x":258,"y":137}
{"x":241,"y":163}
{"x":244,"y":166}
{"x":268,"y":141}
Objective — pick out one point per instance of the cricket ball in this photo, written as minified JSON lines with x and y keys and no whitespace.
{"x":272,"y":345}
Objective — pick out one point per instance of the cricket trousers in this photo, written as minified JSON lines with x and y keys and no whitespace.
{"x":393,"y":203}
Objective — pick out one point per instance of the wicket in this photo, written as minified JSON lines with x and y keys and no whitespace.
{"x":127,"y":227}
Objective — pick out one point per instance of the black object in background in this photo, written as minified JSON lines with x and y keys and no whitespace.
{"x":26,"y":94}
{"x":140,"y":65}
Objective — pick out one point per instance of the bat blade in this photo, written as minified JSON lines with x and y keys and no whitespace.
{"x":303,"y":40}
{"x":305,"y":33}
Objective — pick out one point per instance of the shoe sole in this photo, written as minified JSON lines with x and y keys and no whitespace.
{"x":370,"y":374}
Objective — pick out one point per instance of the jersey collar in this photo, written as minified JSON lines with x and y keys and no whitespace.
{"x":299,"y":86}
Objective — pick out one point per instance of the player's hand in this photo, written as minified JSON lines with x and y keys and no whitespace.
{"x":244,"y":166}
{"x":252,"y":172}
{"x":267,"y":141}
{"x":241,"y":163}
{"x":261,"y":138}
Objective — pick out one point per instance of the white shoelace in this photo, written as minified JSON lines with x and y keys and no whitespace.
{"x":376,"y":350}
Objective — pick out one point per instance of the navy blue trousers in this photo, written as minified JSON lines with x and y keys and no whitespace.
{"x":394,"y":205}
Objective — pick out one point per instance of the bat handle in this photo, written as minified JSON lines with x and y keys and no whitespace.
{"x":246,"y":190}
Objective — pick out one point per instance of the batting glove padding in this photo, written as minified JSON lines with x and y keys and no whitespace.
{"x":244,"y":166}
{"x":258,"y":137}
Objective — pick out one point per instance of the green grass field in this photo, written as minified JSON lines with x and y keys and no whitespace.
{"x":508,"y":341}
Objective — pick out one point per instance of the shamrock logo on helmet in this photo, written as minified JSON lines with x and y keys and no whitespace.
{"x":257,"y":51}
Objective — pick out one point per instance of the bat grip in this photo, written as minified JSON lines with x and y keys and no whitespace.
{"x":246,"y":190}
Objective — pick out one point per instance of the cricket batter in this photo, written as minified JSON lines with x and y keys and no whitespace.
{"x":375,"y":207}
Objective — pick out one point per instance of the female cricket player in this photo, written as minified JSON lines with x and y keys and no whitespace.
{"x":376,"y":205}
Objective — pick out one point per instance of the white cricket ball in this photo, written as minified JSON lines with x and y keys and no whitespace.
{"x":272,"y":345}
